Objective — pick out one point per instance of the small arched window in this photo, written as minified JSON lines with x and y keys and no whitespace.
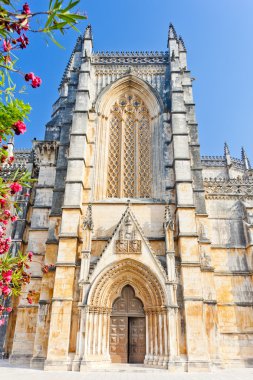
{"x":129,"y":160}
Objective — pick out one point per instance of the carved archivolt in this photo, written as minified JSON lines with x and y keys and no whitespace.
{"x":108,"y":286}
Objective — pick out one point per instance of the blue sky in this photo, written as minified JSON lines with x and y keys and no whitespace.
{"x":217,"y":34}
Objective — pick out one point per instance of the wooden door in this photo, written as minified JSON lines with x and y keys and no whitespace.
{"x":119,"y":339}
{"x":137,"y":340}
{"x":127,"y":329}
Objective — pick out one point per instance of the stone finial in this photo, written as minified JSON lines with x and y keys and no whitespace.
{"x":245,"y":159}
{"x":181,"y":44}
{"x":88,"y":33}
{"x":226,"y":150}
{"x":172,"y":32}
{"x":88,"y":220}
{"x":10,"y":147}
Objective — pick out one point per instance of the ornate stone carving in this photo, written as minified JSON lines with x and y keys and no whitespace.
{"x":129,"y":162}
{"x":125,"y":58}
{"x":120,"y":71}
{"x":248,"y":223}
{"x":22,"y":158}
{"x":114,"y":157}
{"x":209,"y":161}
{"x":127,"y":272}
{"x":236,"y":188}
{"x":87,"y":222}
{"x":169,"y":220}
{"x":205,"y":260}
{"x":213,"y":161}
{"x":126,"y":246}
{"x":127,"y":242}
{"x":45,"y":152}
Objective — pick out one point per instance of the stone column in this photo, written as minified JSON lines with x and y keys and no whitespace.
{"x":147,"y":339}
{"x":59,"y":335}
{"x":196,"y":338}
{"x":33,"y":319}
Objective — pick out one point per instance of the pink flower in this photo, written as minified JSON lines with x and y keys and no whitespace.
{"x":6,"y":290}
{"x":2,"y":322}
{"x":19,"y":127}
{"x":30,"y":255}
{"x":7,"y":46}
{"x":2,"y":202}
{"x":26,"y":9}
{"x":24,"y":41}
{"x":4,"y":246}
{"x":8,"y":309}
{"x":11,"y":159}
{"x":15,"y":187}
{"x":7,"y":212}
{"x":29,"y":76}
{"x":7,"y":276}
{"x":14,"y":218}
{"x":36,"y":81}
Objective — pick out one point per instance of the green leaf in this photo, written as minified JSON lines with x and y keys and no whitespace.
{"x":54,"y":40}
{"x":71,"y":5}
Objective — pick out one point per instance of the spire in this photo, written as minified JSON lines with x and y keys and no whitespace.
{"x":88,"y":33}
{"x":77,"y":48}
{"x":181,"y":44}
{"x":226,"y":150}
{"x":172,"y":32}
{"x":245,"y":159}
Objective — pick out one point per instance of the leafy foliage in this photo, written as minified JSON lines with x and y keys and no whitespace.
{"x":15,"y":26}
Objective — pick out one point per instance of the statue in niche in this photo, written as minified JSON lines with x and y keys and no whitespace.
{"x":128,"y":228}
{"x":205,"y":260}
{"x":169,"y":220}
{"x":248,"y":223}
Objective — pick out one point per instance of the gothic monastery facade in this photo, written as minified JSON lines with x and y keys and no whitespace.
{"x":150,"y":244}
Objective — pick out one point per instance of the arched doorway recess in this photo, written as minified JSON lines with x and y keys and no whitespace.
{"x":105,"y":290}
{"x":127,"y":328}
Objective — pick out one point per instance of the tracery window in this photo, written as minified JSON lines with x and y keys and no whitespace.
{"x":129,"y":160}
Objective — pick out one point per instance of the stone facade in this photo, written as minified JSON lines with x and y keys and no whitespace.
{"x":124,"y":200}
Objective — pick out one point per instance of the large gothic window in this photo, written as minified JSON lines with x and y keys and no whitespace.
{"x":129,"y":161}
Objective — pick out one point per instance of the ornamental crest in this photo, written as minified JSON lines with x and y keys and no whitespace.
{"x":128,"y":242}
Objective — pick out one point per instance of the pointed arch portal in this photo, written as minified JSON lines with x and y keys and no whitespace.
{"x":126,"y":317}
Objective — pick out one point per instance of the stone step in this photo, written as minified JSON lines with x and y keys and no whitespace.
{"x":127,"y":368}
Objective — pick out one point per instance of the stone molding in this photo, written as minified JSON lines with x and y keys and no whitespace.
{"x":125,"y":58}
{"x":234,"y":188}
